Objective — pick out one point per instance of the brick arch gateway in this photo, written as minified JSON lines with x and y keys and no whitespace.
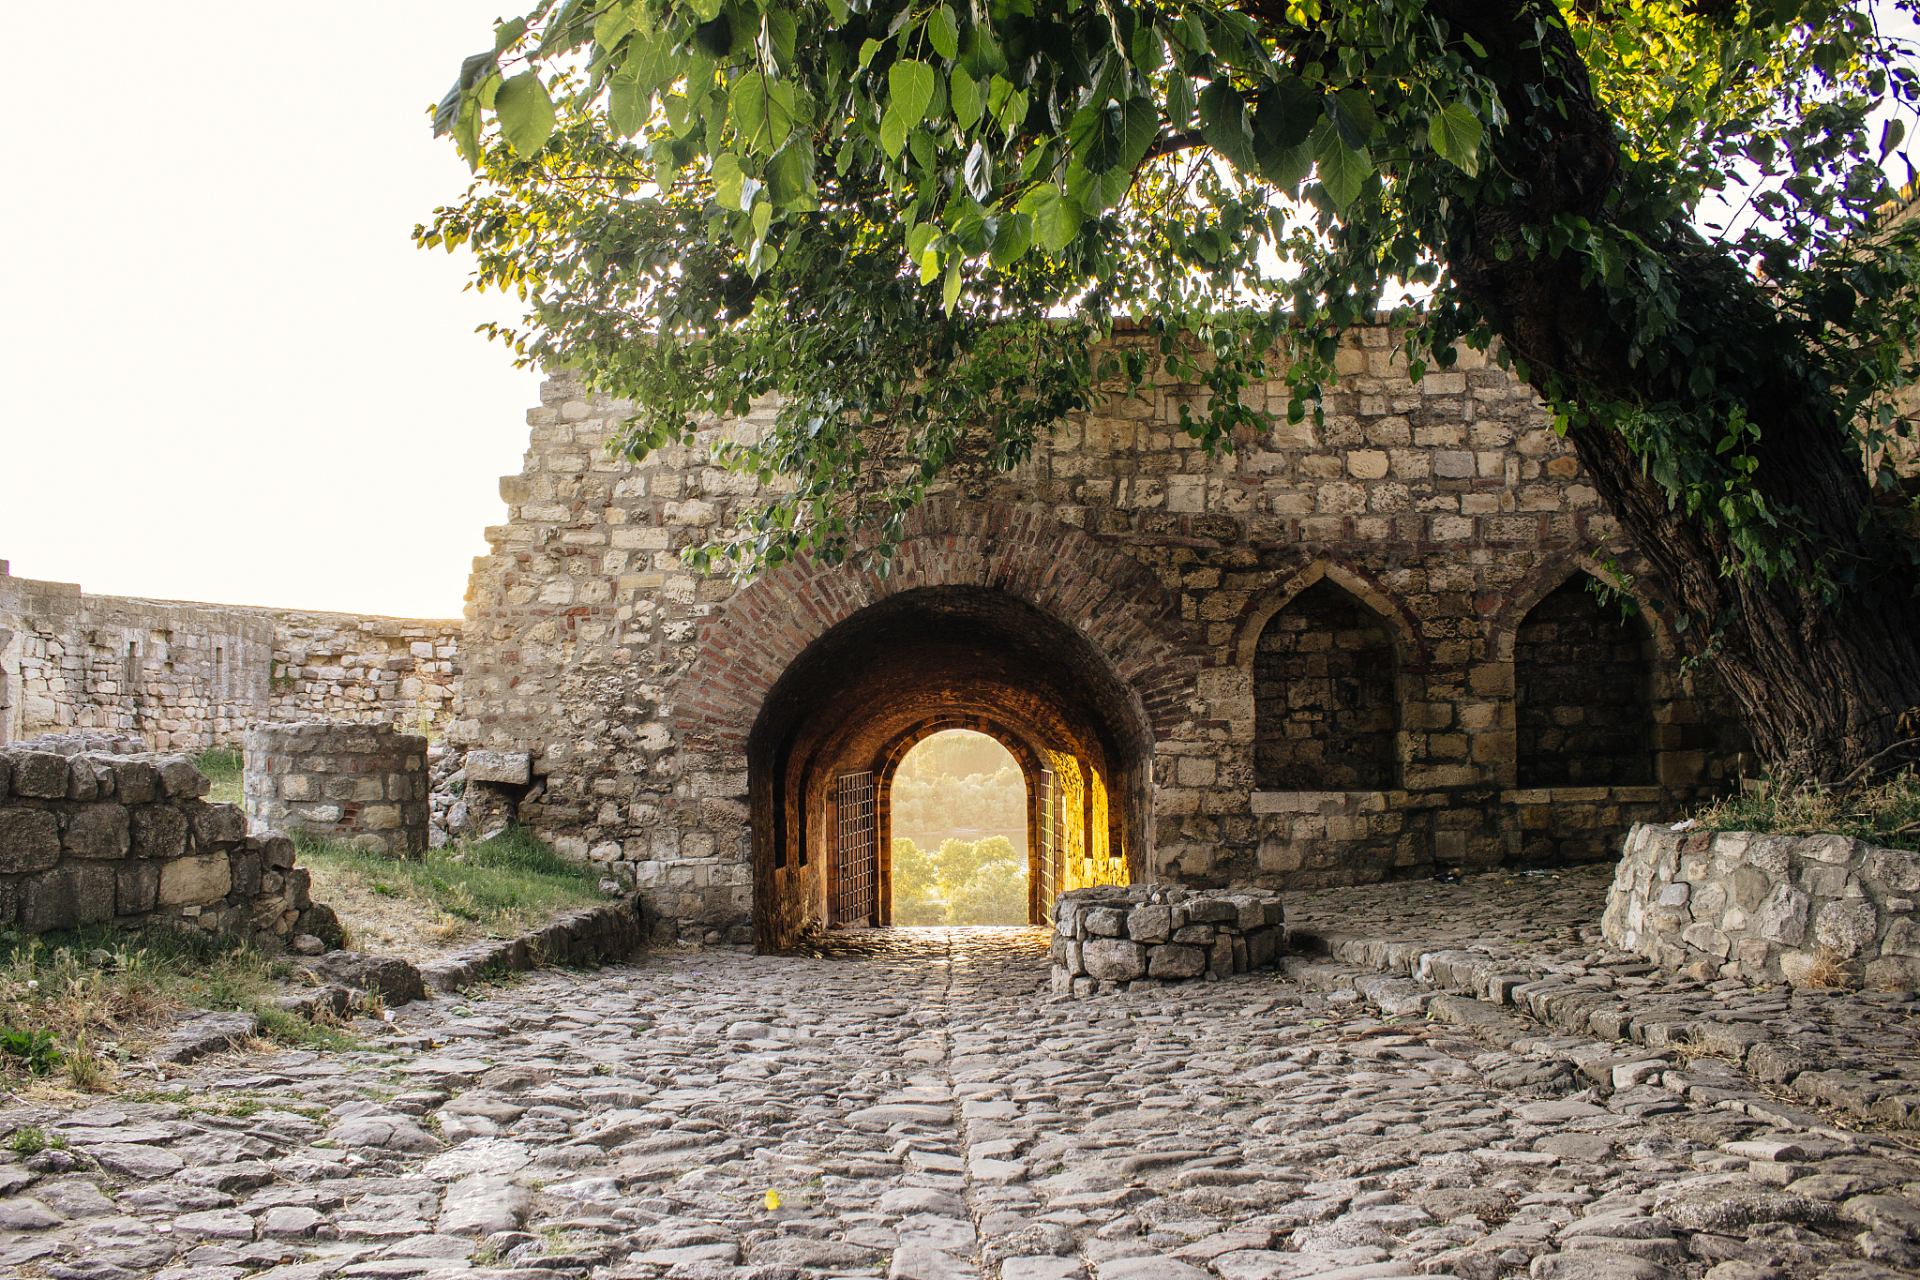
{"x":988,"y":617}
{"x":1103,"y":604}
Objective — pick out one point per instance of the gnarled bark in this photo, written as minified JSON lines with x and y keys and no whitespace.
{"x":1824,"y":685}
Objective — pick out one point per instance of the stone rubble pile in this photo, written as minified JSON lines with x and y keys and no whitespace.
{"x":1116,"y":937}
{"x":917,"y":1109}
{"x":1807,"y":910}
{"x":447,"y":785}
{"x":96,"y":836}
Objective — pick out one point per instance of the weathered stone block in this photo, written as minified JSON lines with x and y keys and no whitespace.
{"x":196,"y":879}
{"x":135,"y":781}
{"x":216,"y":826}
{"x":1847,"y":927}
{"x":1174,"y":961}
{"x":136,"y":887}
{"x":1114,"y":961}
{"x":1782,"y":917}
{"x":71,"y":894}
{"x":1213,"y":911}
{"x":181,"y":779}
{"x":97,"y":831}
{"x":510,"y":768}
{"x":1149,"y":924}
{"x":29,"y":840}
{"x":246,"y":872}
{"x":40,"y":774}
{"x":1104,"y":922}
{"x":157,"y":831}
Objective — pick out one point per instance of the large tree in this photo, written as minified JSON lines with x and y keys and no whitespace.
{"x":919,"y":222}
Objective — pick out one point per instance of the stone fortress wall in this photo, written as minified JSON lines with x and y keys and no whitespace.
{"x":183,"y":676}
{"x":1349,"y":652}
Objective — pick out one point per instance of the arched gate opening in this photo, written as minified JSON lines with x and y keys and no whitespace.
{"x":836,"y":724}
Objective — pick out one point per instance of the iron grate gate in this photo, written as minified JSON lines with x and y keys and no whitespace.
{"x":855,"y":882}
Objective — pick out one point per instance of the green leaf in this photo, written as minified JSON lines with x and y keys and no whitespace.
{"x":1287,"y":111}
{"x":790,"y":176}
{"x":893,"y":131}
{"x":780,"y":33}
{"x":1890,"y":137}
{"x":950,"y":292}
{"x":727,"y":180}
{"x":1343,"y":170}
{"x":1148,"y":49}
{"x":1352,"y":114}
{"x":1140,"y":125}
{"x":707,"y":10}
{"x":762,"y":111}
{"x":944,"y":32}
{"x":867,"y":51}
{"x":628,"y":102}
{"x":1094,"y":135}
{"x":968,"y":99}
{"x":1180,"y":103}
{"x":1012,"y":239}
{"x":1223,"y":124}
{"x":910,"y":88}
{"x":1455,"y":134}
{"x":1056,"y":216}
{"x":507,"y":33}
{"x":526,"y":113}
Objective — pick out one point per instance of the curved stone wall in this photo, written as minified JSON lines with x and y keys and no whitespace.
{"x":1814,"y":910}
{"x":363,"y":783}
{"x":1111,"y":938}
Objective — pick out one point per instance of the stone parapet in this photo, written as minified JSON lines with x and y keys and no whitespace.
{"x":363,"y":783}
{"x":1121,"y":937}
{"x":1819,"y":910}
{"x":94,"y":837}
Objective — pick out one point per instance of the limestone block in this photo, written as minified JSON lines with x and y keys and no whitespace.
{"x":1894,"y":869}
{"x":97,"y":831}
{"x":1750,"y":888}
{"x":157,"y":830}
{"x":1213,"y":911}
{"x":1847,"y":927}
{"x":1173,"y":961}
{"x":201,"y":878}
{"x":1674,"y":895}
{"x":1114,"y":961}
{"x":1104,"y":922}
{"x":1782,"y":917}
{"x":1903,"y":938}
{"x":41,"y":774}
{"x":1830,"y":848}
{"x":29,"y":840}
{"x":82,"y":786}
{"x":1149,"y":924}
{"x":74,"y":893}
{"x":380,"y":817}
{"x":1709,"y":900}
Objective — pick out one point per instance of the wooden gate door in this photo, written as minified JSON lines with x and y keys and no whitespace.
{"x":1048,"y":886}
{"x":853,"y":889}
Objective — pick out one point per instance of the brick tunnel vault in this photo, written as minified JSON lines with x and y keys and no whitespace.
{"x":838,"y":721}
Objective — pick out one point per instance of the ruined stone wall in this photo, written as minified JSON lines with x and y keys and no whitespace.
{"x":362,"y":784}
{"x":1444,"y":511}
{"x":92,"y":837}
{"x":186,"y":676}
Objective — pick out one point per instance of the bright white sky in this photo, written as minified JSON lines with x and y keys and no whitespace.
{"x":226,"y":374}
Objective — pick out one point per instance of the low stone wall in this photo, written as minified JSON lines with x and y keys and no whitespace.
{"x":1121,"y":937}
{"x":94,"y":837}
{"x":363,"y":783}
{"x":1814,"y":910}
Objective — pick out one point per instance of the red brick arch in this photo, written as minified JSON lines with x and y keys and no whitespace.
{"x":1103,"y":594}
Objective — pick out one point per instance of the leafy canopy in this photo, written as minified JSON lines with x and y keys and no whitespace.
{"x":921,"y":223}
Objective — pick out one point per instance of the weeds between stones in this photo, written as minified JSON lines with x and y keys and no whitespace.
{"x":87,"y":998}
{"x":225,"y":768}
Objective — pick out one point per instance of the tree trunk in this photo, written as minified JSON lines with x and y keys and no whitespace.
{"x":1824,"y":686}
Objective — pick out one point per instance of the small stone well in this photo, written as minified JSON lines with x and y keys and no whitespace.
{"x":1768,"y":908}
{"x":1119,"y":937}
{"x":364,"y":783}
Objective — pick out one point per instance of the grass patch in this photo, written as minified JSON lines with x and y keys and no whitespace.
{"x":1885,"y":813}
{"x":499,"y":888}
{"x":224,"y":767}
{"x":85,"y":999}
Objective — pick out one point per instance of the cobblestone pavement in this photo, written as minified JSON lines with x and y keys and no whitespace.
{"x":1530,"y":944}
{"x":911,"y":1104}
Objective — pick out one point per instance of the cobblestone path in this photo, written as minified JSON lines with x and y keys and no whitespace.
{"x":910,"y":1104}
